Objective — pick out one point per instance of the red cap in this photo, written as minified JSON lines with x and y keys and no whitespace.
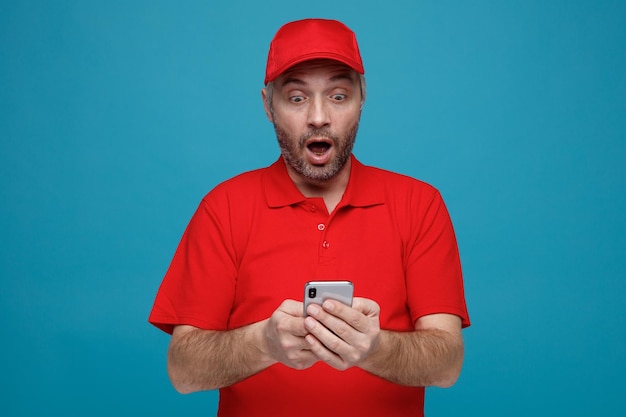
{"x":308,"y":39}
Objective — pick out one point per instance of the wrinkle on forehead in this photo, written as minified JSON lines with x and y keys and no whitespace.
{"x":337,"y":71}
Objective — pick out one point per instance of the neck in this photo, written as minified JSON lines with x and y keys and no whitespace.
{"x":331,"y":191}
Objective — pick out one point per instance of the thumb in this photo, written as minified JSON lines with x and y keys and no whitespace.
{"x":292,"y":308}
{"x":366,"y":306}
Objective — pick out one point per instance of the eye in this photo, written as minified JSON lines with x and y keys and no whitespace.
{"x":338,"y":97}
{"x":296,"y":99}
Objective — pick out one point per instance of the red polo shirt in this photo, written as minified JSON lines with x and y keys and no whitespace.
{"x":256,"y":240}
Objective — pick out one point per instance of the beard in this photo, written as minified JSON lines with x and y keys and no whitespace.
{"x":293,"y":148}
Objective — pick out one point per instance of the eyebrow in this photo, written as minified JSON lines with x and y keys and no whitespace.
{"x":292,"y":80}
{"x":342,"y":76}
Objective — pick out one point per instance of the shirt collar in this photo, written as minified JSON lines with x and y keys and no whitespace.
{"x":365,"y":187}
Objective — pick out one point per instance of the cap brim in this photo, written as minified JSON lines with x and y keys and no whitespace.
{"x":310,"y":57}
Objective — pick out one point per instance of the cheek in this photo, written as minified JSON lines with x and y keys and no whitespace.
{"x":347,"y":123}
{"x":291,"y":123}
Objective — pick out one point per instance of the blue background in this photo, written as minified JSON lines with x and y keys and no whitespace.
{"x":116,"y":117}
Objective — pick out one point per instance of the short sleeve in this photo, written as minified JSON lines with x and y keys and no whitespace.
{"x":199,"y":286}
{"x":433,"y":268}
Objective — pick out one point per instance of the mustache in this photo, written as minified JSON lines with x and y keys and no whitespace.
{"x":319,"y":133}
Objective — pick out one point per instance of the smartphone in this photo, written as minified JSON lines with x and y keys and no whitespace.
{"x":315,"y":292}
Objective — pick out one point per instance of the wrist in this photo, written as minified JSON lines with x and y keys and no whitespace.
{"x":260,"y":339}
{"x":378,"y":354}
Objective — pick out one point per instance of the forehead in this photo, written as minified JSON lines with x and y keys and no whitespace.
{"x":323,"y":68}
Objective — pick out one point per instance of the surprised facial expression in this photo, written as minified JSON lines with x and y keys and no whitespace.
{"x":315,"y":108}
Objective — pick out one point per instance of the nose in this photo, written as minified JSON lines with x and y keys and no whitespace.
{"x":318,"y":115}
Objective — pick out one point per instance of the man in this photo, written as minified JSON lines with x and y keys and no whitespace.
{"x":231,"y":297}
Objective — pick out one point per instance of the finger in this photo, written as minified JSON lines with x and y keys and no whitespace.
{"x":292,"y":307}
{"x":326,"y":335}
{"x":335,"y":325}
{"x":294,"y":326}
{"x":348,"y":315}
{"x":295,"y":317}
{"x":301,"y":359}
{"x":366,"y":306}
{"x":288,"y":319}
{"x":324,"y":354}
{"x":294,"y":343}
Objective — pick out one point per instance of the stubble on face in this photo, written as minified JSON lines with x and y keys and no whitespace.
{"x":293,"y":148}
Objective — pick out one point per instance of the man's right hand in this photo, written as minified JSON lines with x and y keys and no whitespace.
{"x":200,"y":360}
{"x":284,"y":334}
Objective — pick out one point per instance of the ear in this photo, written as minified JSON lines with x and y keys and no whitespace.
{"x":266,"y":106}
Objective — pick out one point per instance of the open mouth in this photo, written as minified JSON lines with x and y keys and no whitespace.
{"x":319,"y":148}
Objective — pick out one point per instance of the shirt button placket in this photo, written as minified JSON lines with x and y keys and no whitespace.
{"x":322,"y":227}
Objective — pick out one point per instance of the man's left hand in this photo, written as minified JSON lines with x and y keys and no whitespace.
{"x":343,"y":336}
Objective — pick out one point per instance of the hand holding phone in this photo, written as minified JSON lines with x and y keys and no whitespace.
{"x":316,"y":292}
